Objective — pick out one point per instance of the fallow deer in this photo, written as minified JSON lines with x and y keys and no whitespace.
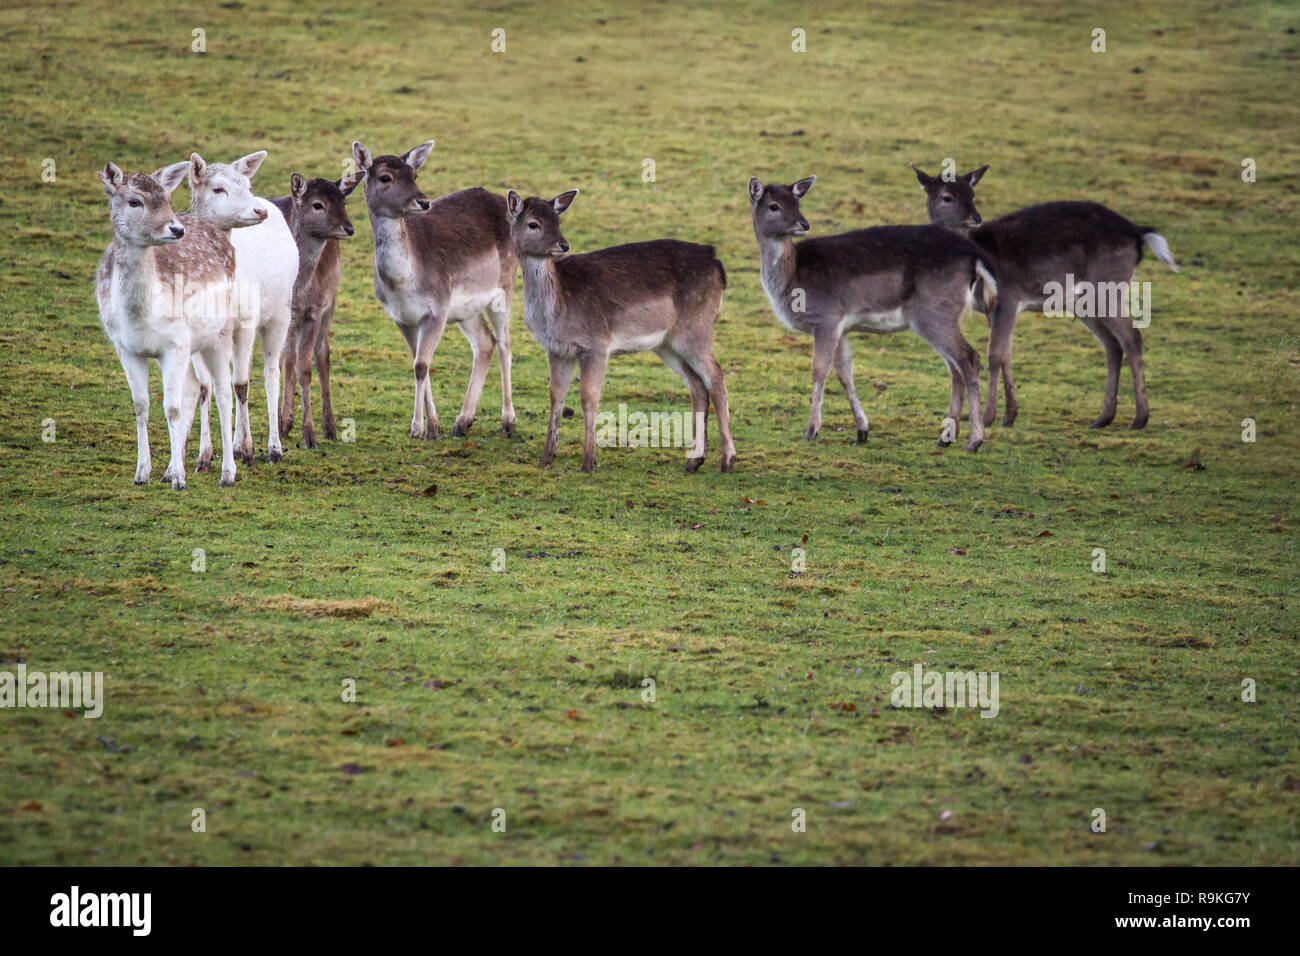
{"x":662,"y":296}
{"x":266,"y":259}
{"x":449,"y":260}
{"x":318,"y":218}
{"x":165,"y":287}
{"x":882,"y":279}
{"x":1051,"y":246}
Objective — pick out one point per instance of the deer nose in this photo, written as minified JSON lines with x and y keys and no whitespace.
{"x":424,"y":204}
{"x":564,"y":245}
{"x":349,"y":228}
{"x":177,"y":229}
{"x":259,"y":212}
{"x":975,"y":218}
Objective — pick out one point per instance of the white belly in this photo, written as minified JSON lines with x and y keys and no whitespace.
{"x":891,"y":321}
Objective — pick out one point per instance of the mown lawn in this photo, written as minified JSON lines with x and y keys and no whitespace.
{"x":522,"y":691}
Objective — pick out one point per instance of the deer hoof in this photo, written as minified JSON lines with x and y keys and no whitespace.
{"x":811,"y":433}
{"x":862,"y":437}
{"x":508,"y":428}
{"x":273,"y":455}
{"x":460,"y":430}
{"x":1103,"y":421}
{"x":588,"y":466}
{"x":227,"y":482}
{"x":178,"y":483}
{"x":942,"y":444}
{"x":728,"y":465}
{"x":973,"y":445}
{"x":693,"y":465}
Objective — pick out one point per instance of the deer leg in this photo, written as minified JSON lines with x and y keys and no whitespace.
{"x":710,"y":373}
{"x":175,"y":364}
{"x":322,"y":354}
{"x":476,"y":332}
{"x":290,"y":379}
{"x":426,"y":334}
{"x":499,"y":318}
{"x":699,"y":405}
{"x":1130,"y":340}
{"x":825,"y":342}
{"x":593,"y":377}
{"x":955,"y":396}
{"x":1114,"y":353}
{"x":204,"y":399}
{"x":243,"y":365}
{"x":219,"y":367}
{"x":136,"y":368}
{"x":944,"y":335}
{"x":1001,"y":324}
{"x":271,"y":376}
{"x":561,"y":376}
{"x":844,"y":371}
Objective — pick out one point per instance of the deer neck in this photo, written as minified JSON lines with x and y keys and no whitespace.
{"x":541,"y":294}
{"x":309,"y":247}
{"x":135,"y":278}
{"x":777,"y":259}
{"x":392,"y":248}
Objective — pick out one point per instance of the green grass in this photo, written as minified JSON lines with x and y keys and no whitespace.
{"x":522,"y":690}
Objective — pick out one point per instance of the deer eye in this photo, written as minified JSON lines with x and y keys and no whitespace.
{"x":774,"y":207}
{"x":385,"y":179}
{"x":947,"y":198}
{"x":317,"y":205}
{"x":532,"y":225}
{"x":134,"y":204}
{"x":219,"y":191}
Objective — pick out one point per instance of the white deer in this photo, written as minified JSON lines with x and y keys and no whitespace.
{"x":266,"y":267}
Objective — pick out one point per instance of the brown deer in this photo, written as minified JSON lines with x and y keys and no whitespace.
{"x":662,"y":296}
{"x":449,"y":260}
{"x":1054,"y":246}
{"x":317,"y":215}
{"x":883,"y":279}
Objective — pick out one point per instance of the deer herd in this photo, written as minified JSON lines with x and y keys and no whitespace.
{"x":195,"y":291}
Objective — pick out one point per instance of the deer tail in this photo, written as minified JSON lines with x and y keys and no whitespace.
{"x":1159,"y":247}
{"x":983,"y":289}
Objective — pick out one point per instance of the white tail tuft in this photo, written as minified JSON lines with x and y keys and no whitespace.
{"x":1157,"y":244}
{"x":990,"y":288}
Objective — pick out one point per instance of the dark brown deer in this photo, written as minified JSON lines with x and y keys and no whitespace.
{"x":317,"y":215}
{"x":1039,"y":249}
{"x":883,"y":279}
{"x":662,"y":296}
{"x":449,"y":260}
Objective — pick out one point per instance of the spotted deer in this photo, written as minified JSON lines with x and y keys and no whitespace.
{"x":318,"y":218}
{"x":440,"y":261}
{"x":662,"y":296}
{"x":165,"y":286}
{"x":266,"y":258}
{"x":1042,"y":247}
{"x":882,"y":279}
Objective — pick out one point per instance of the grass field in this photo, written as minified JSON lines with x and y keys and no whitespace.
{"x":522,"y":691}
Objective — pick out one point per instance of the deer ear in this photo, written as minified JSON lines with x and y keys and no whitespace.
{"x":800,"y":189}
{"x":297,"y":187}
{"x":198,"y":169}
{"x":563,"y":201}
{"x":922,"y":177}
{"x":247,"y":166}
{"x":415,"y":158}
{"x":112,"y":178}
{"x":755,"y":190}
{"x":514,"y":204}
{"x":169,"y":177}
{"x":350,"y":182}
{"x":975,"y":175}
{"x":361,"y":156}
